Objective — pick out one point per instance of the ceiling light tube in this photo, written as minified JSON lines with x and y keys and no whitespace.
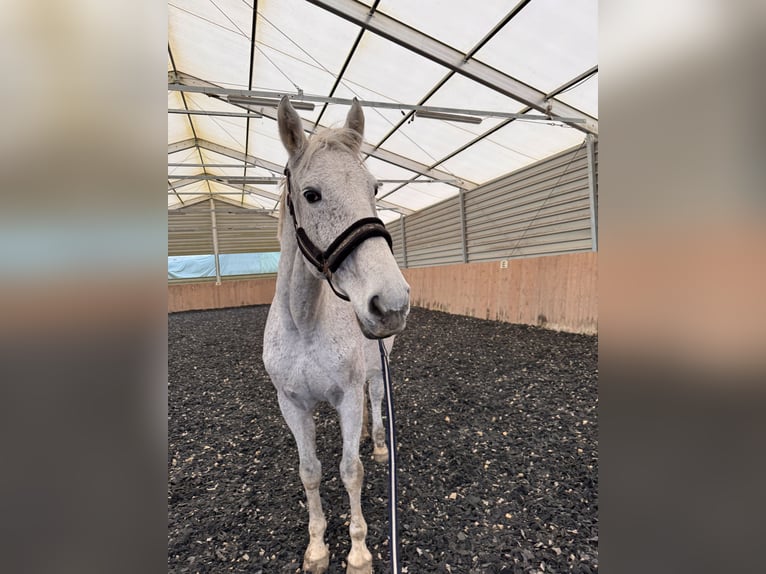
{"x":272,"y":103}
{"x":448,"y":117}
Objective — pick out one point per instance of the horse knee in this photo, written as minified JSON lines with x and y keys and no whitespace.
{"x":311,"y":474}
{"x":351,"y":471}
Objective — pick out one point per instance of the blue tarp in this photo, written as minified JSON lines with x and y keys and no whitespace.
{"x":194,"y":266}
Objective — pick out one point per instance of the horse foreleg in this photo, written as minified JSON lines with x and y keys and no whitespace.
{"x":316,"y":560}
{"x":365,"y":418}
{"x":352,"y":473}
{"x":379,"y":449}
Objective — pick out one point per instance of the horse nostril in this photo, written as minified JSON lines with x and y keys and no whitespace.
{"x":375,"y":307}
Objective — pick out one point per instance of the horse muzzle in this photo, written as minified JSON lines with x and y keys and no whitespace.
{"x":383,"y":319}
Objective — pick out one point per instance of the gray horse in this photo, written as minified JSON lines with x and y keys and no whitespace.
{"x":318,"y":346}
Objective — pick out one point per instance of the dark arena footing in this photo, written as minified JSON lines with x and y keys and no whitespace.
{"x":498,"y":452}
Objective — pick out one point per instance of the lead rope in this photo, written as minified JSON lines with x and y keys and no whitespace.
{"x":393,"y":513}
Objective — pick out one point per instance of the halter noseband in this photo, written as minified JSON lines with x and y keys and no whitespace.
{"x":328,"y":261}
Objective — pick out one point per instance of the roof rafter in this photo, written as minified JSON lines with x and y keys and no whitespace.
{"x":487,"y":37}
{"x":185,"y":79}
{"x":453,"y":59}
{"x":563,"y":87}
{"x":254,"y":161}
{"x":248,"y":189}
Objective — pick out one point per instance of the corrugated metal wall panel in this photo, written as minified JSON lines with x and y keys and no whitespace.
{"x":395,"y":229}
{"x":434,"y":236}
{"x":540,"y":210}
{"x":240,"y":230}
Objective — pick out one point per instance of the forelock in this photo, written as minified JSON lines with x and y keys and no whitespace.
{"x":342,"y":139}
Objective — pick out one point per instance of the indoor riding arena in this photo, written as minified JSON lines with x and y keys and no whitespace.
{"x":481,"y":131}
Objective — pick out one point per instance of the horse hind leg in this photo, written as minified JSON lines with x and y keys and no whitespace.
{"x":379,"y":449}
{"x":316,"y":559}
{"x":359,"y":559}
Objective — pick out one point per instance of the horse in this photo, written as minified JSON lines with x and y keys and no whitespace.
{"x":339,"y":289}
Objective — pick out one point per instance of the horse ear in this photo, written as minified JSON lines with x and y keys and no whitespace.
{"x":355,"y":118}
{"x":290,"y":127}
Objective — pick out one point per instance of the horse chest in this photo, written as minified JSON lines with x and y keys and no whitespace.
{"x":315,"y":367}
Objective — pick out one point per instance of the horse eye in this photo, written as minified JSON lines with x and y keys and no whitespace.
{"x":312,"y":195}
{"x":376,"y":188}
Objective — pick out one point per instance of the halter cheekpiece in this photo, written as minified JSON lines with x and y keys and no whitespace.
{"x":328,"y":261}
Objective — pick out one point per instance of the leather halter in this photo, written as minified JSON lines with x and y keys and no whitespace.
{"x":328,"y":261}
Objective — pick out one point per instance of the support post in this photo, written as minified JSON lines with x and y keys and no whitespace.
{"x":215,"y":242}
{"x":592,"y":190}
{"x":404,"y":244}
{"x":463,"y":241}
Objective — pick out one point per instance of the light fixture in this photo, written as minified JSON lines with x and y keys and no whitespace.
{"x":215,"y":113}
{"x":448,"y":117}
{"x":247,"y":180}
{"x":268,"y":102}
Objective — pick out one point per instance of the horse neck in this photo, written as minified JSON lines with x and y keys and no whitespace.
{"x":299,"y":293}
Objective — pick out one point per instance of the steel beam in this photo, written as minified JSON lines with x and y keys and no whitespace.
{"x":404,"y":243}
{"x":183,"y":79}
{"x":463,"y":240}
{"x":183,"y":181}
{"x":182,"y":145}
{"x":177,"y":184}
{"x":499,"y":126}
{"x":231,"y":179}
{"x":215,"y":242}
{"x":268,"y":179}
{"x":214,"y":113}
{"x":215,"y":165}
{"x":592,"y":191}
{"x":238,"y":155}
{"x":228,"y":95}
{"x":453,"y":59}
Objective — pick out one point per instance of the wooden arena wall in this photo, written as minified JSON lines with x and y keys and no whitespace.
{"x":556,"y":292}
{"x":230,"y":293}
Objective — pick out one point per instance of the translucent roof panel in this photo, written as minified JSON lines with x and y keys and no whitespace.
{"x":386,"y":68}
{"x":186,"y":194}
{"x":474,"y":96}
{"x":385,"y":170}
{"x":179,"y":127}
{"x":536,"y":140}
{"x":377,"y":121}
{"x":291,"y":54}
{"x":547,"y":43}
{"x":415,"y":59}
{"x":418,"y":195}
{"x":265,"y":143}
{"x":454,"y":25}
{"x":190,"y":155}
{"x":387,"y":215}
{"x":213,"y":158}
{"x":583,"y":96}
{"x":234,"y":196}
{"x":228,"y":131}
{"x":217,"y":52}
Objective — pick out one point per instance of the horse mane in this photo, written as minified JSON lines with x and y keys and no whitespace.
{"x":342,"y":139}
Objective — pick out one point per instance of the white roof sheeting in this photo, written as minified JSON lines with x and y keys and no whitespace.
{"x":499,"y":57}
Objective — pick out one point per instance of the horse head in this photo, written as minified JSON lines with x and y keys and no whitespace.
{"x":331,"y":198}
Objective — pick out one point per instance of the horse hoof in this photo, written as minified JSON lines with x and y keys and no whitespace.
{"x":380,"y":455}
{"x":316,"y":565}
{"x":364,"y":568}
